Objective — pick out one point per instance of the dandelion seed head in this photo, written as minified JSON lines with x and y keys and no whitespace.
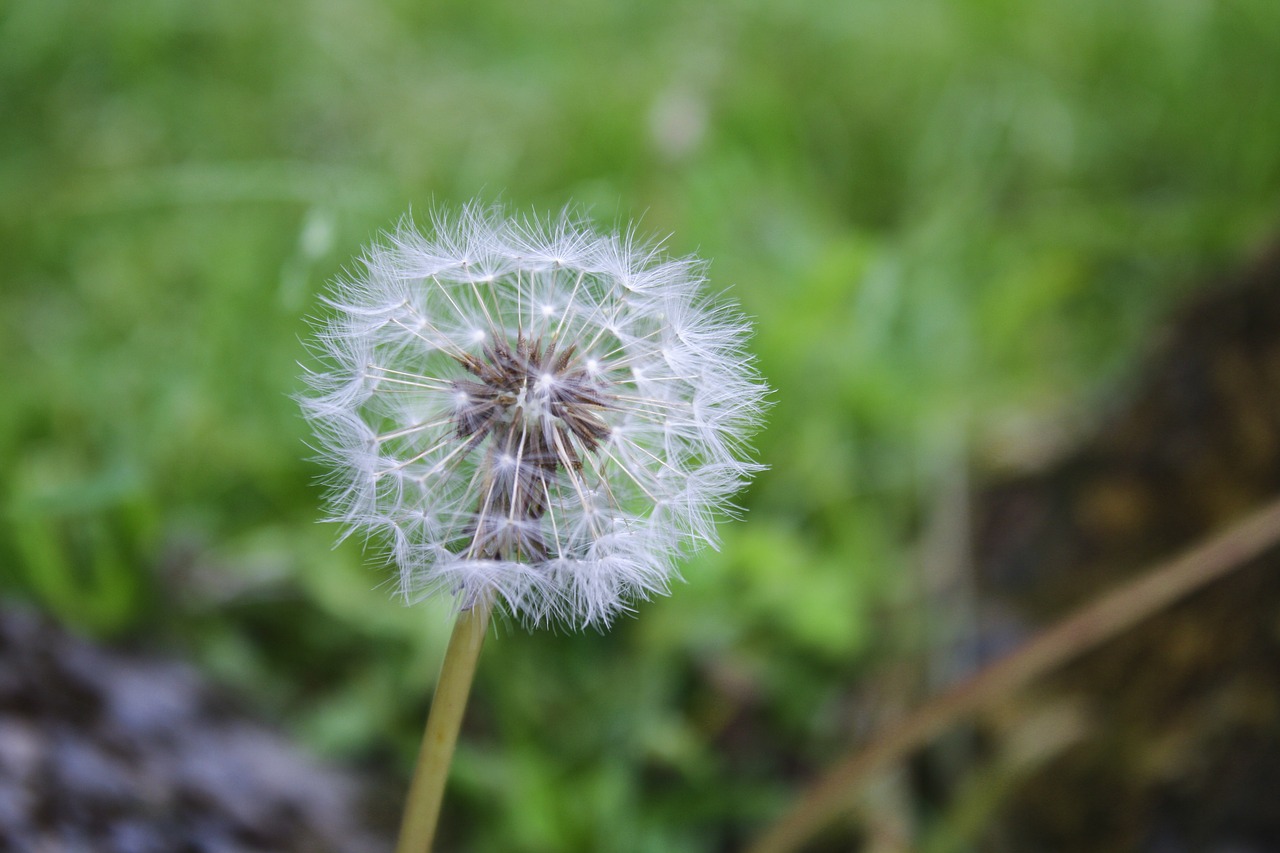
{"x":532,"y":410}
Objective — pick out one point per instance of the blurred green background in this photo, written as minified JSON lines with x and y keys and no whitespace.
{"x":955,"y":222}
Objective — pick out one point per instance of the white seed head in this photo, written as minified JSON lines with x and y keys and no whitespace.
{"x":532,"y":410}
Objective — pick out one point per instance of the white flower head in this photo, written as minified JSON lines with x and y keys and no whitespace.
{"x":534,"y":411}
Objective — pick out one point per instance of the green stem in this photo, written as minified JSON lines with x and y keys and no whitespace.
{"x":426,"y":792}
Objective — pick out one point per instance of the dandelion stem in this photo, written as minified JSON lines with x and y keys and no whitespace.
{"x":426,"y":792}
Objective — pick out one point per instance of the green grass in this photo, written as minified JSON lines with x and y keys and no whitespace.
{"x":954,"y":222}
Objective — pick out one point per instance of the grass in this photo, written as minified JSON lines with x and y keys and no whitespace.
{"x":955,"y":223}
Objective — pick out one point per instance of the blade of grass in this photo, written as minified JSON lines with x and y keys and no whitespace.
{"x":1089,"y":626}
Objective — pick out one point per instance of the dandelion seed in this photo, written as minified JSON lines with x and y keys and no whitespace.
{"x":532,"y":412}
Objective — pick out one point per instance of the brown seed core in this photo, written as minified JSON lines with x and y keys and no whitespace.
{"x":540,"y":409}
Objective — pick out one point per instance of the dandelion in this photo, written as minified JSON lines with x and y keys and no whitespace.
{"x":531,"y":415}
{"x":533,"y":412}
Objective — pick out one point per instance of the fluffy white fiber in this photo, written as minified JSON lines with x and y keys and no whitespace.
{"x":532,"y":410}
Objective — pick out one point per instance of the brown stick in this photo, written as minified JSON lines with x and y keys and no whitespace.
{"x":1086,"y":628}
